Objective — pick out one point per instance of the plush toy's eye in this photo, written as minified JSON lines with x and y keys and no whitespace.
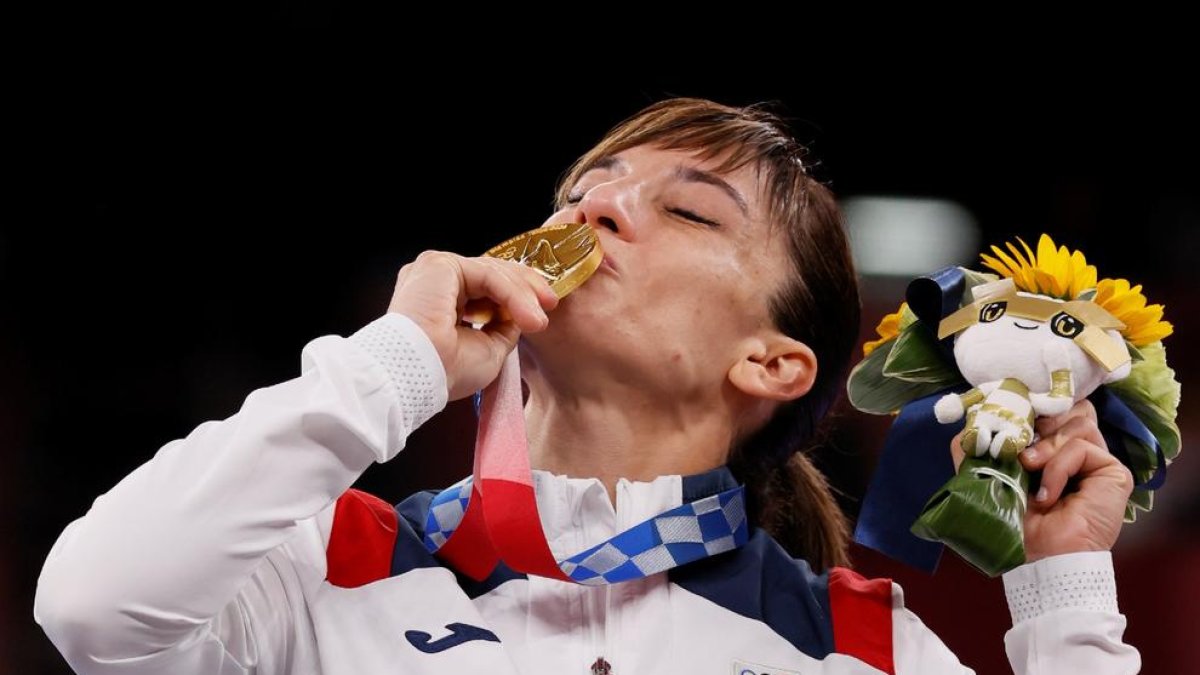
{"x":1066,"y":325}
{"x":992,"y":311}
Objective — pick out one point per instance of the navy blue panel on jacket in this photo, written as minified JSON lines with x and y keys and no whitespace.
{"x":760,"y":580}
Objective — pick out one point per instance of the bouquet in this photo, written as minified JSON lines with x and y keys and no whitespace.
{"x":986,"y":353}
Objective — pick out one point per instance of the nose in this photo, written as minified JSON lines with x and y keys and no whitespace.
{"x":607,"y":206}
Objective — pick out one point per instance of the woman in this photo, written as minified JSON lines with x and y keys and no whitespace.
{"x":700,"y":355}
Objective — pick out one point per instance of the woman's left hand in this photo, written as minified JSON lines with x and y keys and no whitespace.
{"x":1089,"y":518}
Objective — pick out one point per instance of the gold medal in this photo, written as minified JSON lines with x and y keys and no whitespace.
{"x":566,"y":254}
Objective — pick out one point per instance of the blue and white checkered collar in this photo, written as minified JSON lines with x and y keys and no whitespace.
{"x":650,"y":530}
{"x":576,"y":512}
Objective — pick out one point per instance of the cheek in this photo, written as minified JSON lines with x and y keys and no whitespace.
{"x":704,"y":295}
{"x":557,"y":217}
{"x":685,"y":318}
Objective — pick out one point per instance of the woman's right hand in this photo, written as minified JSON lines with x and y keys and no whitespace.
{"x":435,"y":289}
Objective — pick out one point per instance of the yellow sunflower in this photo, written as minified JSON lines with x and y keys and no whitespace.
{"x":889,"y":327}
{"x":1056,"y":272}
{"x":1064,"y":274}
{"x":1143,"y":323}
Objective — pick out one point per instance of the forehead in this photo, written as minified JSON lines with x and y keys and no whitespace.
{"x":657,"y":156}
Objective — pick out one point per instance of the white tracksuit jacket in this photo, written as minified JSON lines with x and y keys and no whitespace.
{"x":240,"y":548}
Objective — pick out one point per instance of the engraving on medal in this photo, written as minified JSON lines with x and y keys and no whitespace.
{"x":565,"y":254}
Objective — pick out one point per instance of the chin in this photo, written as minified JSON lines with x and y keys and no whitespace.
{"x":568,"y":324}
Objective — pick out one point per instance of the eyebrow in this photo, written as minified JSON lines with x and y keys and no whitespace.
{"x":692,"y":175}
{"x":606,"y":162}
{"x":684,"y":173}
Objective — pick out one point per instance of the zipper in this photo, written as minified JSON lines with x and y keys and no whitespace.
{"x":598,"y":620}
{"x":602,"y":665}
{"x":608,"y":643}
{"x":595,"y":603}
{"x":596,"y":626}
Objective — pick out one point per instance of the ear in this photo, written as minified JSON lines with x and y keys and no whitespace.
{"x":774,"y":367}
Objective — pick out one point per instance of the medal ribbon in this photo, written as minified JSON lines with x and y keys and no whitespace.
{"x":492,"y":515}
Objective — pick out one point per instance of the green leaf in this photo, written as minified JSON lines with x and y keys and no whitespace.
{"x":1143,"y":458}
{"x":979,"y":513}
{"x":916,"y":357}
{"x":973,"y":279}
{"x":871,"y":391}
{"x":1134,"y":352}
{"x":1142,"y":498}
{"x":1152,"y":392}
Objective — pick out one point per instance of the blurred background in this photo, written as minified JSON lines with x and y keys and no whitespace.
{"x":197,"y":205}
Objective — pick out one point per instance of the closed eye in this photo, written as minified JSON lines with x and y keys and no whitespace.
{"x":684,"y":213}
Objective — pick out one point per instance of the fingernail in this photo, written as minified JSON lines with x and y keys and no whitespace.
{"x":1042,"y":494}
{"x":1031,"y":455}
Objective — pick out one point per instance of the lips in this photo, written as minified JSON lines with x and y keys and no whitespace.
{"x":607,"y":262}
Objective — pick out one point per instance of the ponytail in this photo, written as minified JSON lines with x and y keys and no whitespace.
{"x":791,"y":499}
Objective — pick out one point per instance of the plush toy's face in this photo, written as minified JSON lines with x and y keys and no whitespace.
{"x":1002,"y":345}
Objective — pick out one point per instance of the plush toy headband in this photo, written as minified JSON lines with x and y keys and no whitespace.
{"x":1082,"y":321}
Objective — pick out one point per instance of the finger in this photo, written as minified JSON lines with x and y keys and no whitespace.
{"x":1048,"y":425}
{"x":537,"y":281}
{"x":545,"y":297}
{"x":506,"y":330}
{"x":422,"y":261}
{"x":484,"y":280}
{"x":1077,"y":456}
{"x":524,"y":275}
{"x":502,"y":338}
{"x":490,"y":344}
{"x":482,"y":311}
{"x":1035,"y":456}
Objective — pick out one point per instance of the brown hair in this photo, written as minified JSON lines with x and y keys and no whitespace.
{"x":819,"y":306}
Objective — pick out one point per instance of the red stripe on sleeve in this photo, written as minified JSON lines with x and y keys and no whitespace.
{"x":361,"y":540}
{"x":862,"y":617}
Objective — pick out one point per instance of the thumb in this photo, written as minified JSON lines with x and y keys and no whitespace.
{"x":502,"y":338}
{"x":481,"y":353}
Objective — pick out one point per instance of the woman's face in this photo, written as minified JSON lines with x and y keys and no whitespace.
{"x":690,"y":266}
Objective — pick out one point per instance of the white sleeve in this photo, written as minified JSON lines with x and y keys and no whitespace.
{"x":195,"y":562}
{"x":1065,"y":620}
{"x":1065,"y":617}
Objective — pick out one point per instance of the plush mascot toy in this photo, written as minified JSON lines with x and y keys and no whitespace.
{"x":987,"y":355}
